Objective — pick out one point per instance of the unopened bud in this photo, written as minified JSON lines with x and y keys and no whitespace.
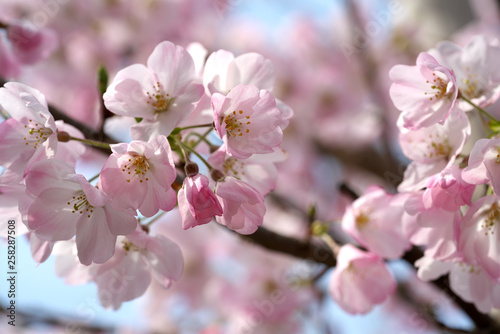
{"x":63,"y":136}
{"x":216,"y":175}
{"x":191,"y":169}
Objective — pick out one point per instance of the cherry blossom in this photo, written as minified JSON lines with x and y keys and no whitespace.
{"x":425,"y":93}
{"x":242,"y":205}
{"x":475,"y":69}
{"x":360,"y":280}
{"x":259,"y":170}
{"x":137,"y":258}
{"x":30,"y":134}
{"x":163,"y":93}
{"x":468,"y":281}
{"x":31,"y":45}
{"x":479,"y":236}
{"x":140,"y":175}
{"x":197,"y":202}
{"x":432,"y":149}
{"x":68,"y":205}
{"x":374,"y":220}
{"x":483,"y":163}
{"x":247,"y":120}
{"x":223,"y":72}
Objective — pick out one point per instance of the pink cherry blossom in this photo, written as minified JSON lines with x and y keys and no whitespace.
{"x":475,"y":68}
{"x":140,"y":175}
{"x":425,"y":93}
{"x":474,"y":285}
{"x":433,"y":228}
{"x":223,"y":72}
{"x":479,"y":235}
{"x":137,"y":258}
{"x":484,"y":163}
{"x":29,"y":44}
{"x":432,"y":149}
{"x":197,"y":202}
{"x":468,"y":281}
{"x":360,"y":280}
{"x":30,"y":134}
{"x":163,"y":93}
{"x":10,"y":67}
{"x":374,"y":220}
{"x":447,"y":190}
{"x":68,"y":205}
{"x":243,"y":206}
{"x":247,"y":120}
{"x":259,"y":170}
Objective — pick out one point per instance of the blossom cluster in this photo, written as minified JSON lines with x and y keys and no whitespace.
{"x":182,"y":111}
{"x":448,"y":202}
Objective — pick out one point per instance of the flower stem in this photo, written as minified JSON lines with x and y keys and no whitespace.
{"x":187,"y":147}
{"x":200,"y":138}
{"x":155,"y":218}
{"x":331,"y":243}
{"x":481,"y":110}
{"x":196,"y":126}
{"x":95,"y":177}
{"x":91,"y":142}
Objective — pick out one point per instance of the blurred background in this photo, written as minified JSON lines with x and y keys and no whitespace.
{"x":332,"y":59}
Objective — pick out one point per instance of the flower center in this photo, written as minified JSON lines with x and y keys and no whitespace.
{"x":437,"y":147}
{"x":129,"y":246}
{"x":160,"y":101}
{"x":470,"y":269}
{"x":492,"y":216}
{"x":79,"y":204}
{"x":233,"y":166}
{"x":237,"y":124}
{"x":471,"y":87}
{"x":138,"y":165}
{"x":362,"y":220}
{"x":36,"y":133}
{"x":439,"y":87}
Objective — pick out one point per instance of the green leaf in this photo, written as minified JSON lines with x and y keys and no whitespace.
{"x":138,"y":119}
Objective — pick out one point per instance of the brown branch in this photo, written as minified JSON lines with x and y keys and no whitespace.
{"x":315,"y":251}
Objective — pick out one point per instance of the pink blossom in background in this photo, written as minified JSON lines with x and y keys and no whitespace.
{"x":29,"y":44}
{"x":10,"y":67}
{"x":360,"y":281}
{"x":375,"y":221}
